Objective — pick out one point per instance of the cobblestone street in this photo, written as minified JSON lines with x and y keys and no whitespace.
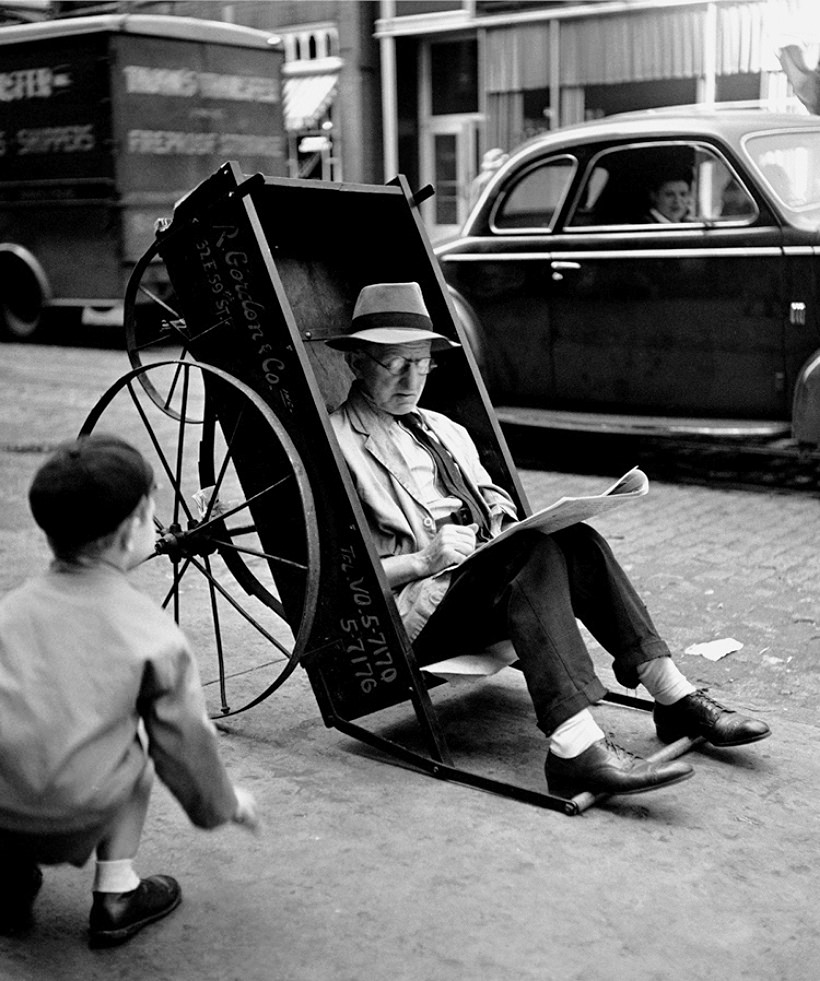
{"x":367,"y":871}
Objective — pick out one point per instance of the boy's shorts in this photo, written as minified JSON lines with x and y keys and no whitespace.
{"x":70,"y":847}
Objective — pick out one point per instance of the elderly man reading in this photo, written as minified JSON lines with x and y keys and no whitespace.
{"x":430,"y":503}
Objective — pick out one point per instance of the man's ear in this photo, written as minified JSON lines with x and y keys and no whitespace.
{"x":353,"y":359}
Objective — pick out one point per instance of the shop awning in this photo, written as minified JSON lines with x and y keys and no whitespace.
{"x":306,"y":99}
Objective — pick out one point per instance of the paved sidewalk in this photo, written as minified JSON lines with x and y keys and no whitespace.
{"x":367,"y":872}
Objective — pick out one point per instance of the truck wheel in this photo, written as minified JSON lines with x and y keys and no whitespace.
{"x":24,"y":292}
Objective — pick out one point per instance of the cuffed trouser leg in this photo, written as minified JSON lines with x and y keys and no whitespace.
{"x":532,"y":591}
{"x":541,"y":623}
{"x":607,"y":603}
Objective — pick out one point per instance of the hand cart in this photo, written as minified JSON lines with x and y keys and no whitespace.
{"x":256,"y":503}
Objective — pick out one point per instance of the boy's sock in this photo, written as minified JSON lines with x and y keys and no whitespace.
{"x":663,"y":680}
{"x":116,"y":876}
{"x":575,"y":735}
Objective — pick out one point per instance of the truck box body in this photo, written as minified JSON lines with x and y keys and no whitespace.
{"x":106,"y":121}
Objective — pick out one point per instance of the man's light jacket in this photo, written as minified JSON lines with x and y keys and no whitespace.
{"x":399,"y":519}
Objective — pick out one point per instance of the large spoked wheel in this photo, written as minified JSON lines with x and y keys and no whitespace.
{"x":237,"y":551}
{"x":155,"y":331}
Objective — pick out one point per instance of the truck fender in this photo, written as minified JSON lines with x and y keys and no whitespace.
{"x":24,"y":291}
{"x":806,"y":405}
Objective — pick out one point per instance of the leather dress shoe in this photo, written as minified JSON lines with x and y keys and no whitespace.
{"x":699,"y":715}
{"x":117,"y":916}
{"x":607,"y":768}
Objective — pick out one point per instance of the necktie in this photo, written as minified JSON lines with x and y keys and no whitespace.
{"x":449,"y":474}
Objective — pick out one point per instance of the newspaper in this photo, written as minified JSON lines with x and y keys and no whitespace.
{"x":570,"y":510}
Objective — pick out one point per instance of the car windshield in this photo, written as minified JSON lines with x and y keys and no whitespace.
{"x":790,"y":165}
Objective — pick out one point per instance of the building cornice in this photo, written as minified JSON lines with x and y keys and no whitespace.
{"x":459,"y":20}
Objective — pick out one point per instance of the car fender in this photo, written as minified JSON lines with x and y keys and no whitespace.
{"x":806,"y":405}
{"x":24,"y":291}
{"x":471,"y":327}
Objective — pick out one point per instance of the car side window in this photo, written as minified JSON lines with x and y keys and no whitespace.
{"x":532,"y":201}
{"x":661,"y":184}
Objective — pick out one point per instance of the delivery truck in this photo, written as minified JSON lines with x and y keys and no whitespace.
{"x":105,"y":122}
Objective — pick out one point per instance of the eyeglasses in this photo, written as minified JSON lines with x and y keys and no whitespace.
{"x":398,"y":365}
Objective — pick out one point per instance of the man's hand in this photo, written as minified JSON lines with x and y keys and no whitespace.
{"x":451,"y":546}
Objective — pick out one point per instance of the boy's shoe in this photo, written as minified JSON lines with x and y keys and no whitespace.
{"x":20,"y":887}
{"x":699,"y":715}
{"x":117,"y":916}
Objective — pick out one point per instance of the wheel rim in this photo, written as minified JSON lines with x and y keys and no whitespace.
{"x":246,"y":601}
{"x":155,"y":332}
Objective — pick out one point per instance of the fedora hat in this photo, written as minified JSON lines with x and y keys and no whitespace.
{"x":390,"y":313}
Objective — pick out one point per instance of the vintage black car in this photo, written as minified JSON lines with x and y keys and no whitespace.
{"x":590,"y":304}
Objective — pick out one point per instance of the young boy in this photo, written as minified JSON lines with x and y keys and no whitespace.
{"x":98,"y":690}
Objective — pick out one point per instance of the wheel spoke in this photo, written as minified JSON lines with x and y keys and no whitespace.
{"x":240,"y":610}
{"x":222,"y":471}
{"x":159,"y":451}
{"x":159,"y":301}
{"x":172,"y":387}
{"x":237,"y":530}
{"x":260,"y":555}
{"x":174,"y":591}
{"x":161,"y":341}
{"x":174,"y":588}
{"x":243,"y":504}
{"x":181,"y":443}
{"x":220,"y":655}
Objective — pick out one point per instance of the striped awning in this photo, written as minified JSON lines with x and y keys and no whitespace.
{"x":305,"y":99}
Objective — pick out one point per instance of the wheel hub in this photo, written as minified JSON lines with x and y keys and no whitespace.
{"x":178,"y":543}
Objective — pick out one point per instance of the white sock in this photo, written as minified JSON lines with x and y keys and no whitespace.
{"x":116,"y":876}
{"x":575,"y":735}
{"x":663,"y":680}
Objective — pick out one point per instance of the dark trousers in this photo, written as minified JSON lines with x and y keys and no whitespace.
{"x":530,"y":590}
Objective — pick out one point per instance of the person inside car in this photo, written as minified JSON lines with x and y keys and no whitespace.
{"x":734,"y":201}
{"x":670,"y":200}
{"x":429,"y":502}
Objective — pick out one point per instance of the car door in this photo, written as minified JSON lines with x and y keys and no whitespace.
{"x":678,"y":318}
{"x":502,"y":269}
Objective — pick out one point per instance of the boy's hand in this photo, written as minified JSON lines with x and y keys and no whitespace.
{"x":246,"y":815}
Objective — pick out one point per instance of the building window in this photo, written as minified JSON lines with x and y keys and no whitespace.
{"x":537,"y":112}
{"x":310,"y":43}
{"x":454,"y":77}
{"x":604,"y":100}
{"x":738,"y":88}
